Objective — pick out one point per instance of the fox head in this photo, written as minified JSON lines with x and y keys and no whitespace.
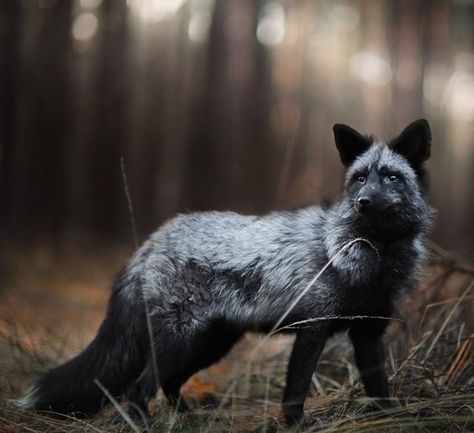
{"x":385,"y":181}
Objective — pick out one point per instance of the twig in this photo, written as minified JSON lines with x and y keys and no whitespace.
{"x":119,"y":408}
{"x":145,"y":301}
{"x":129,"y":202}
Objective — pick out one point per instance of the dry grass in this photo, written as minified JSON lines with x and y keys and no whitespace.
{"x":430,"y":364}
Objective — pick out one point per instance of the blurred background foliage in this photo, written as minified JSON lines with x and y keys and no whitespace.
{"x":225,"y":104}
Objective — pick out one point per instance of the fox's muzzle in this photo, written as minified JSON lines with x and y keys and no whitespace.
{"x":370,"y":199}
{"x":375,"y":203}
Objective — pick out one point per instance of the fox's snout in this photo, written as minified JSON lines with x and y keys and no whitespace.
{"x":370,"y":197}
{"x":364,"y":203}
{"x":373,"y":200}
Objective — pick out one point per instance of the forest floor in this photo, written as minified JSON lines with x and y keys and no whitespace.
{"x":52,"y":304}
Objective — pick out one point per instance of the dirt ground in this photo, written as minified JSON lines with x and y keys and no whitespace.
{"x":51,"y":305}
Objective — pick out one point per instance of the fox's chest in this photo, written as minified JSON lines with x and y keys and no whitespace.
{"x":367,"y":301}
{"x":365,"y":265}
{"x":376,"y":292}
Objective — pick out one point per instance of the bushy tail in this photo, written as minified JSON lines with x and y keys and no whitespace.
{"x":115,"y":357}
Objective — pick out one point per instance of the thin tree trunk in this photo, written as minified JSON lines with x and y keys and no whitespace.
{"x":9,"y":66}
{"x":107,"y":207}
{"x":40,"y":196}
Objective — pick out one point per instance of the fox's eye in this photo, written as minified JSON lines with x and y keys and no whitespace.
{"x":361,"y":179}
{"x":392,"y":178}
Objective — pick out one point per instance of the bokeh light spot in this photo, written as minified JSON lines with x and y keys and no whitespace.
{"x":271,"y":25}
{"x":199,"y":25}
{"x":371,"y":68}
{"x":459,"y":97}
{"x":85,"y":27}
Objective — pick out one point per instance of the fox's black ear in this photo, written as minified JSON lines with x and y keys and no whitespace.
{"x":349,"y":143}
{"x":414,"y":143}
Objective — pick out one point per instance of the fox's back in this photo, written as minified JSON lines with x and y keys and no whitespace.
{"x":244,"y":262}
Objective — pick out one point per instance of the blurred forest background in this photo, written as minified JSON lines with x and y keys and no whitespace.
{"x":225,"y":104}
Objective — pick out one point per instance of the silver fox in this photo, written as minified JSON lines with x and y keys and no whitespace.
{"x":204,"y":279}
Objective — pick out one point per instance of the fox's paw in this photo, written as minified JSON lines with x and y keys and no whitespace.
{"x":293,"y":414}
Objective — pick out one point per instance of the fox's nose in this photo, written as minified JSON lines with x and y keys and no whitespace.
{"x":364,"y":202}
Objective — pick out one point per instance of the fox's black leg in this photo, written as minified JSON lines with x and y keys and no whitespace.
{"x":143,"y":389}
{"x":304,"y":357}
{"x":171,"y":366}
{"x":206,"y":349}
{"x":370,"y":358}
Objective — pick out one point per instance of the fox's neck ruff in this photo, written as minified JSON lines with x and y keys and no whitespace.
{"x":378,"y":248}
